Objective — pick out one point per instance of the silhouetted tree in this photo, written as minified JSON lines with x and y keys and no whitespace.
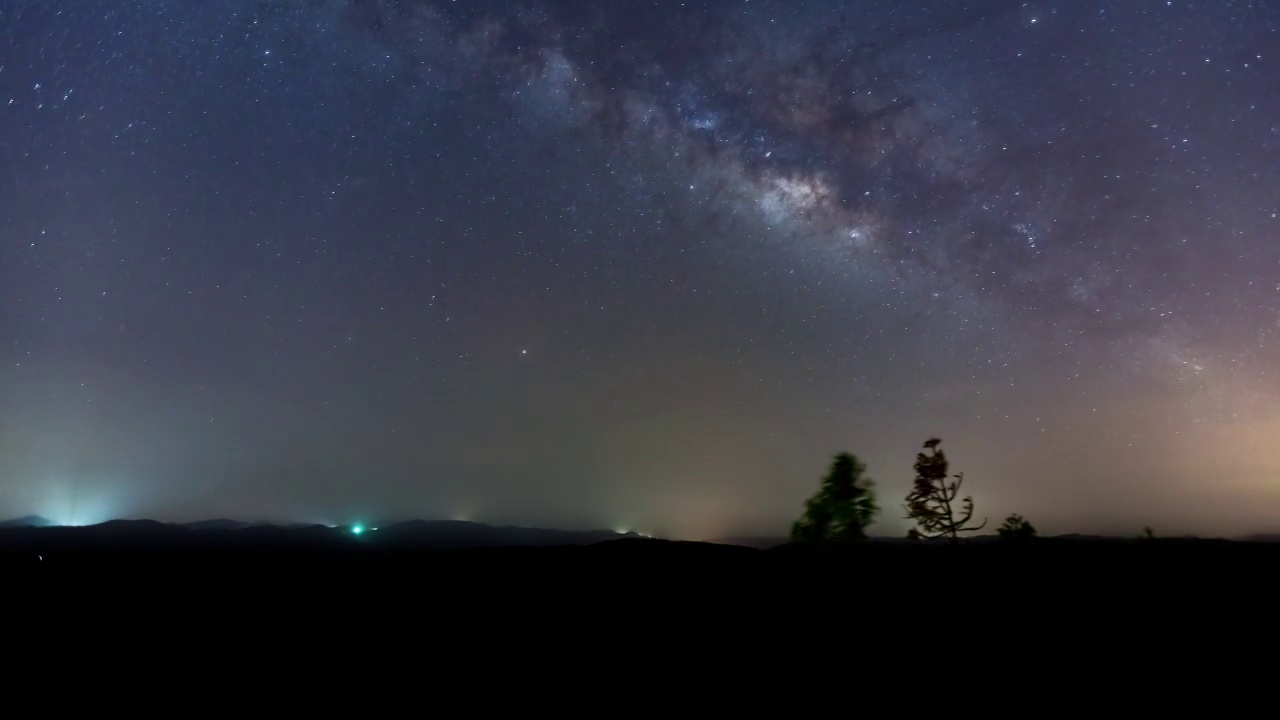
{"x":1147,"y":533}
{"x":1016,"y":527}
{"x":931,"y":502}
{"x":842,"y":508}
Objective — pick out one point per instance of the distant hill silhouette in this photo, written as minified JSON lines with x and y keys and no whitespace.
{"x":460,"y":534}
{"x":125,"y":526}
{"x":225,"y":533}
{"x":440,"y":547}
{"x":455,"y":534}
{"x":1262,"y":538}
{"x":30,"y":521}
{"x":220,"y":524}
{"x":759,"y":543}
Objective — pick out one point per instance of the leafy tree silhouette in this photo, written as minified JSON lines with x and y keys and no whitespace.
{"x":931,"y":502}
{"x":1016,"y":528}
{"x":842,"y":508}
{"x":1147,"y":533}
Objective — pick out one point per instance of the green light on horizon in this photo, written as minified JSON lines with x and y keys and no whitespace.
{"x":357,"y":529}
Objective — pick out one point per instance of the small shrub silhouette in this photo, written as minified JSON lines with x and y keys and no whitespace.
{"x":1016,"y":528}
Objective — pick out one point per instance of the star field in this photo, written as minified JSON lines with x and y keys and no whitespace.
{"x":560,"y":263}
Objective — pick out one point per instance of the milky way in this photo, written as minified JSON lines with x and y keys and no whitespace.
{"x":570,"y":263}
{"x":966,"y":146}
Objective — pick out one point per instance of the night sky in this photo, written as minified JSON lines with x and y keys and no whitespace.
{"x":640,"y":265}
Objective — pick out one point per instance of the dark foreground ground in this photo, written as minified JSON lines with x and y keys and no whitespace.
{"x":263,"y":602}
{"x":620,"y":594}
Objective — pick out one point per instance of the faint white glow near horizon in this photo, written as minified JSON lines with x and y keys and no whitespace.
{"x":69,"y":506}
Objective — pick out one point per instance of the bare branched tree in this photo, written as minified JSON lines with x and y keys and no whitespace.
{"x":932,"y":501}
